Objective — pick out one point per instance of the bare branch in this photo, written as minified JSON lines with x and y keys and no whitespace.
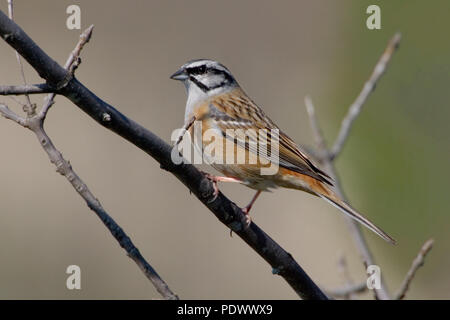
{"x":25,"y":89}
{"x":368,"y":88}
{"x":75,"y":54}
{"x":71,"y":64}
{"x":318,"y":136}
{"x":63,"y":167}
{"x":348,"y":290}
{"x":11,"y":115}
{"x":225,"y":210}
{"x":416,"y":264}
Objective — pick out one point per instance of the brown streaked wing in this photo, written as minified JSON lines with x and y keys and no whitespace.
{"x":236,"y":111}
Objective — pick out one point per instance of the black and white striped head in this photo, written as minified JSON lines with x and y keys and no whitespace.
{"x":207,"y":75}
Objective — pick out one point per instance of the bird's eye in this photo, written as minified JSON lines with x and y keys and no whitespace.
{"x":198,"y":70}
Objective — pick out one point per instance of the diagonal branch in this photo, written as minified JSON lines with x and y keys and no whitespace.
{"x":368,"y":88}
{"x":225,"y":210}
{"x":416,"y":264}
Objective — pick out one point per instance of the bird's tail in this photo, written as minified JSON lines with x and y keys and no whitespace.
{"x":352,"y":213}
{"x":328,"y":195}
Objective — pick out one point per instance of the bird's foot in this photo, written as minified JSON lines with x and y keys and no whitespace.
{"x":215,"y":179}
{"x":247,"y":220}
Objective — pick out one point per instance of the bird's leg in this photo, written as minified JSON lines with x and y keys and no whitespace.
{"x":246,"y":210}
{"x":214,"y":179}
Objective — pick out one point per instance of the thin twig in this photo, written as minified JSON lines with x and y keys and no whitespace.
{"x":25,"y":89}
{"x":318,"y":136}
{"x":347,"y":291}
{"x":416,"y":264}
{"x":16,"y":100}
{"x":71,"y":64}
{"x":29,"y":110}
{"x":368,"y":88}
{"x":75,"y":54}
{"x":345,"y":274}
{"x":10,"y":115}
{"x":344,"y":271}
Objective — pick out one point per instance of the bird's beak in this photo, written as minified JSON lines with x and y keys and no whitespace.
{"x":179,"y":75}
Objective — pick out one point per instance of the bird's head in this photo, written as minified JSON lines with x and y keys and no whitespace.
{"x":206,"y":75}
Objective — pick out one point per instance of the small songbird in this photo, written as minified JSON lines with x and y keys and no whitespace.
{"x":216,"y":100}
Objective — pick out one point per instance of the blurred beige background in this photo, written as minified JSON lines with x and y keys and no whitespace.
{"x":394,"y":167}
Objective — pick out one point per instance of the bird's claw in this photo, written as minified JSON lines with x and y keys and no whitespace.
{"x":246,"y":221}
{"x":214,"y":181}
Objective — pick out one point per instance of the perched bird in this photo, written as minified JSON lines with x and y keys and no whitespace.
{"x":218,"y":103}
